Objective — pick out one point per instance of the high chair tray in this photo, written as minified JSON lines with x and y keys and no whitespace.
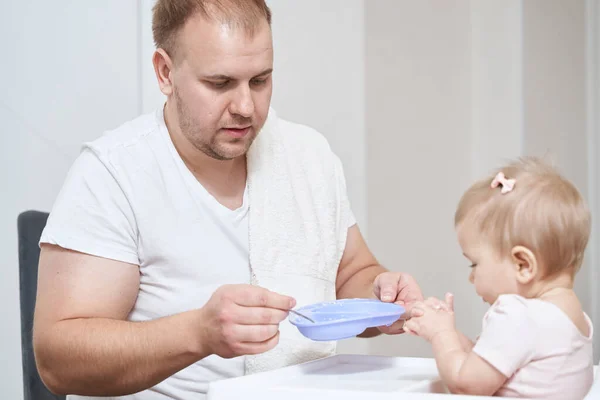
{"x":347,"y":377}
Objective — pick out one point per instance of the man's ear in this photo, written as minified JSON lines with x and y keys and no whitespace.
{"x":163,"y":66}
{"x":526,"y":264}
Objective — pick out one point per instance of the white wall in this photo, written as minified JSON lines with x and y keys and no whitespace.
{"x":418,"y":149}
{"x":496,"y":83}
{"x":454,"y":90}
{"x":593,"y":153}
{"x":66,"y":77}
{"x":75,"y":69}
{"x":554,"y":83}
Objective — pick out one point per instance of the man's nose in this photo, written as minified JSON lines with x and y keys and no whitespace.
{"x":242,"y":103}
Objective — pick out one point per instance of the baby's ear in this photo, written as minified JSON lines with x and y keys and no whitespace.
{"x":525,"y":262}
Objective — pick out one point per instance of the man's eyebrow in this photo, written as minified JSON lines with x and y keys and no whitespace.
{"x":265,"y":72}
{"x":220,"y":77}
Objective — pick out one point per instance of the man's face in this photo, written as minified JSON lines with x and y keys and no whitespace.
{"x":222,"y":85}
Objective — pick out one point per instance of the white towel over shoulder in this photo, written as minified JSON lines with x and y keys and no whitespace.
{"x":298,"y":222}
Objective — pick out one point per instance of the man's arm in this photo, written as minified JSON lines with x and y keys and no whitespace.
{"x":361,"y":276}
{"x":81,"y":340}
{"x":84,"y":345}
{"x":358,"y":268}
{"x":357,"y":272}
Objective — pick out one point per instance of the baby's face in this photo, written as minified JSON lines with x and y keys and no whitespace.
{"x":491,"y":274}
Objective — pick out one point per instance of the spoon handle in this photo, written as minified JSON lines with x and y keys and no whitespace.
{"x":302,"y":315}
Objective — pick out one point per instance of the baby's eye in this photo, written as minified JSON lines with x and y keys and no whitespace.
{"x":472,"y":265}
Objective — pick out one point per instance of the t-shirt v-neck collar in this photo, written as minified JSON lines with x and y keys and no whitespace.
{"x":193,"y":183}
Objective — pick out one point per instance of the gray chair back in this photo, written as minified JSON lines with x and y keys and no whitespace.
{"x":30,"y":225}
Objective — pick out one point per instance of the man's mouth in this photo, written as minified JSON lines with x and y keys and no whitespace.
{"x":237,"y":131}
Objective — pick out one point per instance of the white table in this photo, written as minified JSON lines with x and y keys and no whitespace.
{"x":347,"y":377}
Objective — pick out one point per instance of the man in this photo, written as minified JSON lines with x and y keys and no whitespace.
{"x":145,"y":287}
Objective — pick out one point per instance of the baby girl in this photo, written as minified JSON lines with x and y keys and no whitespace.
{"x":524,"y":231}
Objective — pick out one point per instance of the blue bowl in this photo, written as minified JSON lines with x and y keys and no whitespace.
{"x":343,"y":319}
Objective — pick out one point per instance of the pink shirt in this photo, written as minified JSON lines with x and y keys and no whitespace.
{"x":537,"y":346}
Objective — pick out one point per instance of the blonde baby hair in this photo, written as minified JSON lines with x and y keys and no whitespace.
{"x":528,"y":203}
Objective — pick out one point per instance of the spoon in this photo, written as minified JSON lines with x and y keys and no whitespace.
{"x":302,"y":315}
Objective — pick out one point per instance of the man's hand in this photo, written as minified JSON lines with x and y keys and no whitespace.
{"x":243,"y":319}
{"x":399,"y":288}
{"x":431,"y":317}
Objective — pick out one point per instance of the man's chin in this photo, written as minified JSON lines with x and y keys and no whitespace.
{"x":236,"y":148}
{"x":232,"y":151}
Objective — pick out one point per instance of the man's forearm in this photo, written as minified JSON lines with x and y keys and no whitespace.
{"x":361,"y":286}
{"x":104,"y":357}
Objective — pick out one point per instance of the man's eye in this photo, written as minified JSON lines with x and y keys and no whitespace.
{"x":472,"y":265}
{"x":258,"y":82}
{"x":220,"y":84}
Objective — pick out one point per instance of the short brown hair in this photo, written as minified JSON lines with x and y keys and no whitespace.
{"x":544,"y":212}
{"x":169,"y":16}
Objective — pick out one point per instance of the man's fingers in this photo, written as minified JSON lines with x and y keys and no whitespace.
{"x":414,"y":309}
{"x":260,"y":316}
{"x":386,"y":287}
{"x":395,"y":328}
{"x":408,"y":290}
{"x":388,"y":292}
{"x":259,"y":297}
{"x":249,"y":348}
{"x":250,"y":333}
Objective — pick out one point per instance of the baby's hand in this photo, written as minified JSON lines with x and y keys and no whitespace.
{"x":431,"y":317}
{"x":437,"y":304}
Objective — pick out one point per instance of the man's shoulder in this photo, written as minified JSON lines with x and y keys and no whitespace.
{"x":127,"y":135}
{"x":302,"y":136}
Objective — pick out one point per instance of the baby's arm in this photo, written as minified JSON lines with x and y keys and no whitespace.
{"x":466,"y":343}
{"x":461,"y":370}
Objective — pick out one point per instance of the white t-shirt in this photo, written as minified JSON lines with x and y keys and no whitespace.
{"x":537,"y":346}
{"x":130,"y":197}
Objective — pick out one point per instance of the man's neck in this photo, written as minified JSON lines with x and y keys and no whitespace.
{"x":224,"y":179}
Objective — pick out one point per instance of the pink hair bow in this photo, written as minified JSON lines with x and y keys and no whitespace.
{"x":507,"y":184}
